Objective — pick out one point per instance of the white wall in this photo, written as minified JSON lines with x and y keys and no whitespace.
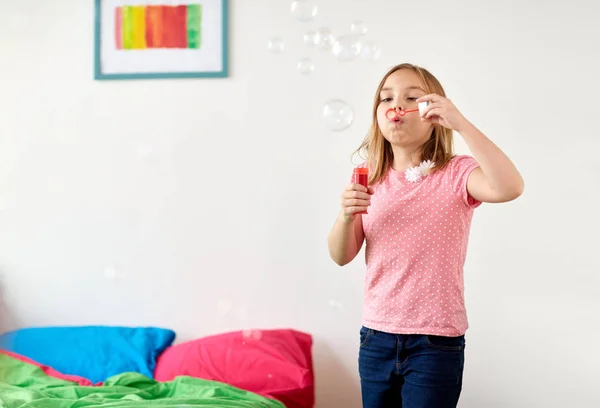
{"x":223,"y":223}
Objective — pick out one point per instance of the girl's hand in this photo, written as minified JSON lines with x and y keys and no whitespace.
{"x":441,"y":110}
{"x":355,"y":198}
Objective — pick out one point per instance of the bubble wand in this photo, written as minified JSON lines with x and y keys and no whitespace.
{"x":394,"y":114}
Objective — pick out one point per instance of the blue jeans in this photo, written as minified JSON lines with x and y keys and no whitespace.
{"x":410,"y":371}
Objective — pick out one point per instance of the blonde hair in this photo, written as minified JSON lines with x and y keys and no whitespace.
{"x":379,"y":154}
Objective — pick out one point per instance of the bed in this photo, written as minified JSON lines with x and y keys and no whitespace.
{"x":121,"y":367}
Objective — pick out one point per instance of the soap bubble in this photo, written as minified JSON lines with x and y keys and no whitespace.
{"x":224,"y":306}
{"x":338,"y":115}
{"x":335,"y":304}
{"x":346,"y":48}
{"x":370,"y":50}
{"x":144,"y":151}
{"x":358,"y":28}
{"x":252,"y":334}
{"x":110,"y":272}
{"x":276,"y":45}
{"x":306,"y":66}
{"x":311,"y":38}
{"x":304,"y":10}
{"x":325,"y":39}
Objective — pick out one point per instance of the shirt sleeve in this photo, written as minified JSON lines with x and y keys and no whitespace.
{"x":460,"y":170}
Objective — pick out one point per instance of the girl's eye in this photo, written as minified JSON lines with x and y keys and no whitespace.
{"x":412,"y":99}
{"x":386,"y":100}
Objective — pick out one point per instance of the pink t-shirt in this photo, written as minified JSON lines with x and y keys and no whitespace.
{"x":416,"y":243}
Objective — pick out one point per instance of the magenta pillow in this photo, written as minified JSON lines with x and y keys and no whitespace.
{"x":273,"y":363}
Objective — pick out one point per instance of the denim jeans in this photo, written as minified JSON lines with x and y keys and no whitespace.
{"x":410,"y":371}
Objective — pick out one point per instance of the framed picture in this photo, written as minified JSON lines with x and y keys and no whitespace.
{"x":153,"y":39}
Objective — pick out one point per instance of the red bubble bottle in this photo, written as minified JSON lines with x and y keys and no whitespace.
{"x":360,"y":175}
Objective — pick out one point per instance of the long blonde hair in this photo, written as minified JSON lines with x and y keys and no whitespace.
{"x":379,"y":154}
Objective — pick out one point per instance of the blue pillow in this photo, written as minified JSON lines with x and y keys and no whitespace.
{"x":93,"y":352}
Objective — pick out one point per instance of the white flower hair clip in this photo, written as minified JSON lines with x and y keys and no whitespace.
{"x":416,"y":173}
{"x":426,"y":167}
{"x":413,"y":174}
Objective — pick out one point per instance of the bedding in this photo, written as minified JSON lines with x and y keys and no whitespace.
{"x":92,"y":352}
{"x":49,"y":371}
{"x":273,"y":363}
{"x":25,"y":385}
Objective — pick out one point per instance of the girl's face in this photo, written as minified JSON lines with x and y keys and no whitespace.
{"x":401,"y":90}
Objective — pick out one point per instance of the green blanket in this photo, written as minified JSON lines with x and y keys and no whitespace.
{"x":24,"y":385}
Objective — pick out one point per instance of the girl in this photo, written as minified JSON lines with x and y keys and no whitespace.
{"x":419,"y":205}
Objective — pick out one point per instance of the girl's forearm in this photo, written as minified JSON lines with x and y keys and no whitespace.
{"x":500,"y":172}
{"x":343,"y":242}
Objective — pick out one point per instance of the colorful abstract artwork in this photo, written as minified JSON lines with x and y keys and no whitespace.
{"x":161,"y":39}
{"x":160,"y":26}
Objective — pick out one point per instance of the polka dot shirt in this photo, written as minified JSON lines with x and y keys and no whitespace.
{"x":416,"y":243}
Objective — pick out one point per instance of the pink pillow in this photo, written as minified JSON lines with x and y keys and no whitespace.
{"x":273,"y":363}
{"x":49,"y":371}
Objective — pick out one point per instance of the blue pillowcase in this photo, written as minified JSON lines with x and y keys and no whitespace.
{"x":92,"y":352}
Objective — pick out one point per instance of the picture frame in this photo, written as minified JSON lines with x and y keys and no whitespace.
{"x":161,"y":39}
